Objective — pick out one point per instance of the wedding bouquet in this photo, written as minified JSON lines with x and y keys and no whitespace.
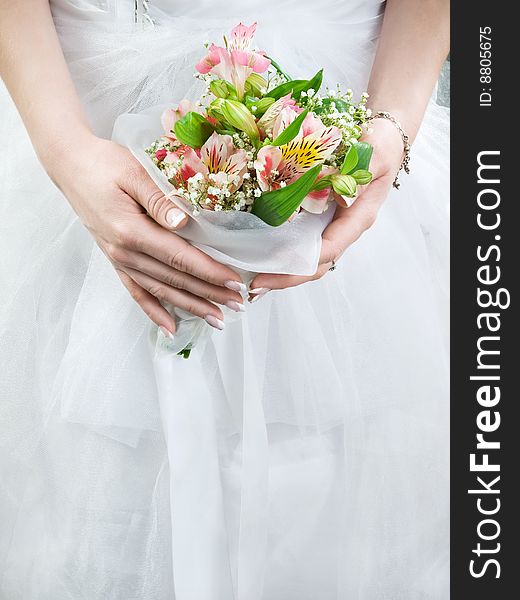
{"x":258,"y":161}
{"x":260,"y":142}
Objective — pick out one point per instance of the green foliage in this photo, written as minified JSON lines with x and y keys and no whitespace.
{"x":193,"y":130}
{"x":290,"y":132}
{"x":297,"y":86}
{"x":275,"y":208}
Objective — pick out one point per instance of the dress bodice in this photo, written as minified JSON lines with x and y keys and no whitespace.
{"x":104,"y":47}
{"x":347,"y":11}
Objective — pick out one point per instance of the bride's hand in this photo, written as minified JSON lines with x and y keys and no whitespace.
{"x":348,"y":224}
{"x":133,"y":224}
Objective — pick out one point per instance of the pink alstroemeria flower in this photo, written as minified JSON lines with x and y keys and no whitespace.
{"x":317,"y":202}
{"x":186,"y":162}
{"x":285,"y":105}
{"x":220,"y":163}
{"x":237,"y":61}
{"x":171,"y":115}
{"x":278,"y":166}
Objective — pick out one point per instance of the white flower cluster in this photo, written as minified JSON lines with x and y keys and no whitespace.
{"x":214,"y":191}
{"x":274,"y":79}
{"x":337,"y":108}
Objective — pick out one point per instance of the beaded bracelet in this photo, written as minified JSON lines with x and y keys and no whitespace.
{"x":405,"y":164}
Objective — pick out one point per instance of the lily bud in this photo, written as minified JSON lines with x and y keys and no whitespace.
{"x":219,"y":88}
{"x":258,"y":106}
{"x":255,"y":83}
{"x":362,"y":176}
{"x":238,"y":116}
{"x":215,"y":109}
{"x":344,"y":185}
{"x":263,"y":104}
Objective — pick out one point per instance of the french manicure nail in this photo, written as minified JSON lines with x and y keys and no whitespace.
{"x":236,"y":286}
{"x":166,"y":332}
{"x":255,"y":298}
{"x":214,"y":322}
{"x":236,"y":306}
{"x":174,"y":216}
{"x":257,"y":294}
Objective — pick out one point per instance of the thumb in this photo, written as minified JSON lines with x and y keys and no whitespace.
{"x":162,"y":210}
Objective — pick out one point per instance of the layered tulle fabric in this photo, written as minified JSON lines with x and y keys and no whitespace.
{"x":299,"y":454}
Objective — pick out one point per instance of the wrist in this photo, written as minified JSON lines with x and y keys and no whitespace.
{"x":58,"y":154}
{"x":405,"y":162}
{"x":387,"y":143}
{"x":407,"y":118}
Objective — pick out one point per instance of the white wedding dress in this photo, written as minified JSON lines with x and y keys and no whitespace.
{"x":303,"y":454}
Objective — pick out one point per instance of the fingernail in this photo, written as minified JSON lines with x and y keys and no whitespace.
{"x":257,"y":294}
{"x":236,"y":306}
{"x":236,"y":286}
{"x":174,"y":216}
{"x":166,"y":332}
{"x":214,"y":322}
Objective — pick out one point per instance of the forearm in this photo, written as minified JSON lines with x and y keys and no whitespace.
{"x":35,"y":72}
{"x":413,"y":45}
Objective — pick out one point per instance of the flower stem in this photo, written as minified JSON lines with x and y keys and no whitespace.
{"x":279,"y":69}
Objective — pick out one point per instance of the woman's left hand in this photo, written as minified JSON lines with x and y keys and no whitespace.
{"x":348,"y":224}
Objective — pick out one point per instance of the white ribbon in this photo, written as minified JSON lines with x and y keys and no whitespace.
{"x":202,"y":562}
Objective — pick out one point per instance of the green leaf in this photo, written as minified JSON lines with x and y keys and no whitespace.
{"x":364,"y":152}
{"x":297,"y":86}
{"x":362,"y":176}
{"x":351,"y":160}
{"x":322,"y":184}
{"x":226,"y":131}
{"x":341,"y":105}
{"x":185,"y":353}
{"x":290,"y":132}
{"x":274,"y":208}
{"x":193,"y":130}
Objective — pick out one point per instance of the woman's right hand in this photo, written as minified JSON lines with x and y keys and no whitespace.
{"x":133,"y":224}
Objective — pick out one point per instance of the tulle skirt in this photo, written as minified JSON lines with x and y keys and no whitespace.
{"x":300,"y":454}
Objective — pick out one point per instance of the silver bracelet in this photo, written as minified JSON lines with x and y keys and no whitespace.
{"x":405,"y":164}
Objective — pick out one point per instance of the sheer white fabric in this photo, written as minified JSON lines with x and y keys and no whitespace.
{"x":302,"y":453}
